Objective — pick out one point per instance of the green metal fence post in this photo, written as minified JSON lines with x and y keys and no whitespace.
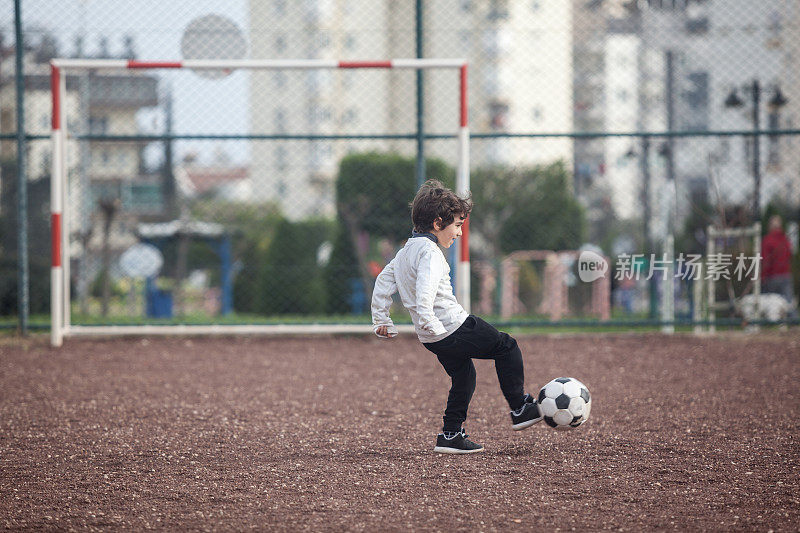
{"x":23,"y":304}
{"x":420,"y":101}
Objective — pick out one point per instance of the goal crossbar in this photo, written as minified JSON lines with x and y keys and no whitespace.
{"x":59,"y":219}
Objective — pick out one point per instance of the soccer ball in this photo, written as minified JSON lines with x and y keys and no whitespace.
{"x":565,"y":403}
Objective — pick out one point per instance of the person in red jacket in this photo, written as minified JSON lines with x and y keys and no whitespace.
{"x":776,"y":265}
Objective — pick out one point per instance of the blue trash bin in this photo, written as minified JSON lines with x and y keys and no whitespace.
{"x":159,"y":302}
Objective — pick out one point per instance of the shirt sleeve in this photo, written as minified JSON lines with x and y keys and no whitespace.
{"x":385,"y":287}
{"x":429,"y":273}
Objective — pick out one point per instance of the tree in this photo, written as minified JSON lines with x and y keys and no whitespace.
{"x":692,"y":238}
{"x":290,"y":279}
{"x":373,"y":192}
{"x":109,"y":207}
{"x":252,"y":227}
{"x":340,"y":271}
{"x":38,"y":241}
{"x":526,"y":209}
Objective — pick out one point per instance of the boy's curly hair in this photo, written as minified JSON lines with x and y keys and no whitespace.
{"x":433,"y":201}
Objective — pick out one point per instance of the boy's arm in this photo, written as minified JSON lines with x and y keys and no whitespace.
{"x":429,"y":274}
{"x":385,"y":287}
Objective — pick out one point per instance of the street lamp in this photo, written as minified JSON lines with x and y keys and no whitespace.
{"x":777,"y":101}
{"x":648,"y":245}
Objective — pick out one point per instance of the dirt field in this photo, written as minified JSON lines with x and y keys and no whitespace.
{"x":337,"y":433}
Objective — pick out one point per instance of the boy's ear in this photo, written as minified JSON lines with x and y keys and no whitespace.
{"x":437,"y":224}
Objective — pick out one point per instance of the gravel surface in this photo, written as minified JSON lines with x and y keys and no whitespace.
{"x":333,"y":433}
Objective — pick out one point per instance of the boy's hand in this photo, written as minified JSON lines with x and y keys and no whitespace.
{"x":383,"y":331}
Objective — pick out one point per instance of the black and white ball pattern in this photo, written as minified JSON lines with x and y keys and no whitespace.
{"x":565,"y":403}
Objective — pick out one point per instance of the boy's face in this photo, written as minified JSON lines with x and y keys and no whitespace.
{"x":447,"y":235}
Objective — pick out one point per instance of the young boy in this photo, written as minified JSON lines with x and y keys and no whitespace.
{"x":420,"y":273}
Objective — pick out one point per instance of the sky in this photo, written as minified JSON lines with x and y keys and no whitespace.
{"x":157,"y":26}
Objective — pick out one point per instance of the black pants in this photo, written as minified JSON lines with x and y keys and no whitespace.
{"x":480,"y":340}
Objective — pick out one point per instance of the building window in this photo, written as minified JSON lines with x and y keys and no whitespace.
{"x":498,"y":10}
{"x":465,"y":39}
{"x":695,"y":97}
{"x":318,"y":80}
{"x":498,"y":113}
{"x":314,"y":80}
{"x":320,"y":154}
{"x":280,"y":44}
{"x":280,"y":120}
{"x":323,"y":39}
{"x":698,"y":26}
{"x":350,"y":115}
{"x":46,"y":164}
{"x":98,"y":125}
{"x":724,"y":152}
{"x":491,"y":83}
{"x":104,"y":191}
{"x":325,"y":114}
{"x":280,"y":158}
{"x":348,"y":79}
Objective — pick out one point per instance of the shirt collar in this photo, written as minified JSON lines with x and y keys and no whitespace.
{"x":430,"y":236}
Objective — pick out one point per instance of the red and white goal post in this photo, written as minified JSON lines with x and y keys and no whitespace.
{"x":60,"y":288}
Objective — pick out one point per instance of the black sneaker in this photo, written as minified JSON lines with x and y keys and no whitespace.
{"x":528,"y":398}
{"x":458,"y":443}
{"x":527,"y":415}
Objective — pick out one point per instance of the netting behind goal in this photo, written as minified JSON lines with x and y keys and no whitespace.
{"x":176,"y":208}
{"x":730,"y":290}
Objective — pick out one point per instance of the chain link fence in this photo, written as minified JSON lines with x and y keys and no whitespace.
{"x":612,"y":127}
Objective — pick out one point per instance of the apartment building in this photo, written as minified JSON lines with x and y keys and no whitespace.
{"x":520,"y":81}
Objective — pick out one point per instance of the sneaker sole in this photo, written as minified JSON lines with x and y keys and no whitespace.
{"x":526,"y":424}
{"x":443,"y":449}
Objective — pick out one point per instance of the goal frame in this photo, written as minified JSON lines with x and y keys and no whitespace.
{"x":60,"y":300}
{"x":713,"y":234}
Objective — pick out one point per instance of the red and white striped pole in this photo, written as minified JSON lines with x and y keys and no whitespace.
{"x":462,"y":187}
{"x":215,"y":64}
{"x":56,"y":279}
{"x":66,"y":224}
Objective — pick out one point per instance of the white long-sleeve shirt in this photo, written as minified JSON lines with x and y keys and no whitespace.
{"x":420,"y":273}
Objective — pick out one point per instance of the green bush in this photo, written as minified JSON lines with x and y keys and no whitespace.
{"x":38,"y":285}
{"x":526,"y":209}
{"x":342,"y":267}
{"x":38,"y":242}
{"x":252,"y":228}
{"x":373,"y":191}
{"x":290,"y":280}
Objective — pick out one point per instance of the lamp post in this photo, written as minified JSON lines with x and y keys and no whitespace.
{"x":644,"y":162}
{"x":645,"y":192}
{"x":775,"y":102}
